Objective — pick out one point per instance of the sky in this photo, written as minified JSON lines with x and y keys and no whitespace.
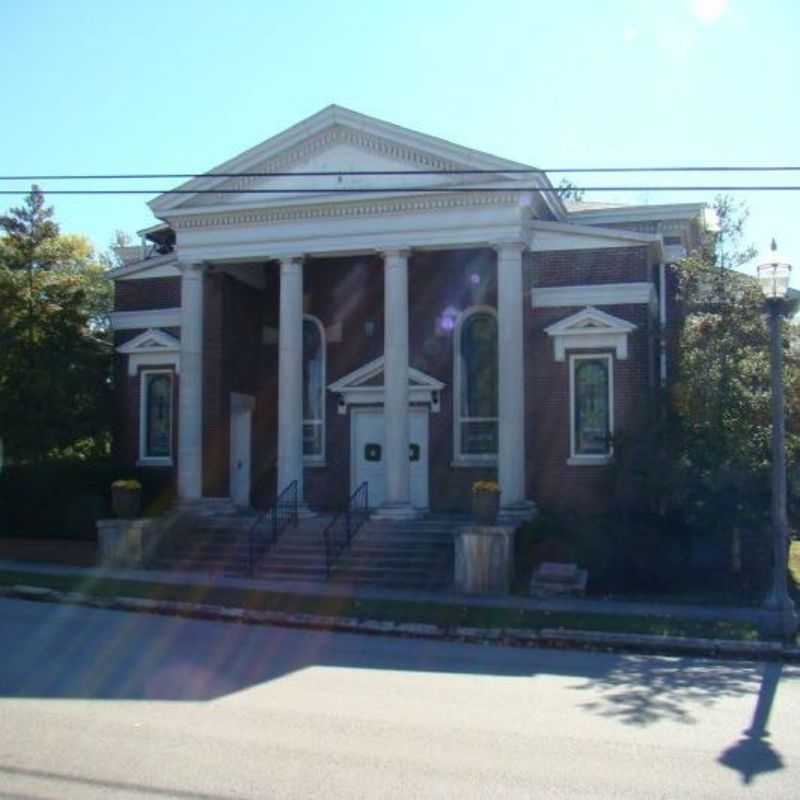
{"x":91,"y":86}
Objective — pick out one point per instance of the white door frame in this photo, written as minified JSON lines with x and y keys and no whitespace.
{"x":422,"y":411}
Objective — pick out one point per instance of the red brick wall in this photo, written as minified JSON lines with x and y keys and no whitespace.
{"x":580,"y":267}
{"x":147,"y":293}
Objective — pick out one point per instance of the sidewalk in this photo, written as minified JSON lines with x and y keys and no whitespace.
{"x":576,"y":605}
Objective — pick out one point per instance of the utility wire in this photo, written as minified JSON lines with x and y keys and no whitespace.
{"x":412,"y":190}
{"x":334,"y":173}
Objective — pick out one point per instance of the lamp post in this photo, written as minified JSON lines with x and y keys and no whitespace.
{"x":779,"y":619}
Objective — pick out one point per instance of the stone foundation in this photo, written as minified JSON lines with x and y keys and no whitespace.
{"x":127,"y":542}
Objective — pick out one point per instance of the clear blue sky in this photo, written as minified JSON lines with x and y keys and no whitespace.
{"x":91,"y":86}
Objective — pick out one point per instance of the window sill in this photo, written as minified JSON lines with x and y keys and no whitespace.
{"x":154,"y":462}
{"x":471,"y":463}
{"x":588,"y":461}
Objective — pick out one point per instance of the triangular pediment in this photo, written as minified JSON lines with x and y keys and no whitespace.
{"x":338,"y":141}
{"x":590,"y":329}
{"x":370,"y":376}
{"x":151,"y":341}
{"x":590,"y":321}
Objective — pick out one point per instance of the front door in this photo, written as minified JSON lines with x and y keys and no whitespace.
{"x":368,"y":456}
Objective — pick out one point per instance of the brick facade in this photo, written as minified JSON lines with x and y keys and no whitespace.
{"x":346,"y":295}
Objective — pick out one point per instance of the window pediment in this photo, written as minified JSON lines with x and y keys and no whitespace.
{"x":590,"y":329}
{"x":151,"y":348}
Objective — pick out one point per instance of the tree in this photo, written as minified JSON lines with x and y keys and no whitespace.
{"x":55,"y":351}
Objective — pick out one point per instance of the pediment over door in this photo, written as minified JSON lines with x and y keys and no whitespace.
{"x":365,"y":386}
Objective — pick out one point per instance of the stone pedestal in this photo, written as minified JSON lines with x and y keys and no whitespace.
{"x":127,"y":543}
{"x":484,"y":559}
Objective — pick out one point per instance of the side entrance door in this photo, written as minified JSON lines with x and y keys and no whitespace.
{"x":368,"y":457}
{"x":241,"y":430}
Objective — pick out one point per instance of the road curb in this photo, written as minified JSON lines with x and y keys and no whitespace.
{"x":517,"y":637}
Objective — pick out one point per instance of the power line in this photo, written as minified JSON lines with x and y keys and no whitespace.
{"x":335,"y":173}
{"x":412,"y":190}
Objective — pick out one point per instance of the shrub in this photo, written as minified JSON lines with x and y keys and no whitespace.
{"x":64,"y":498}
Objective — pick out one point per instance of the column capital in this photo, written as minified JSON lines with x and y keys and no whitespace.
{"x":192,"y":269}
{"x":509,"y":248}
{"x":392,"y":253}
{"x":291,"y":263}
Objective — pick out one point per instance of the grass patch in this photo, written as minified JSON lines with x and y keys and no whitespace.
{"x":386,"y":610}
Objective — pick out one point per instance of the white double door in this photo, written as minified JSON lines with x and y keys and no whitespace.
{"x":368,"y":454}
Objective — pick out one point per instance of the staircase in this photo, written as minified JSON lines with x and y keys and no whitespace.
{"x":209,"y":536}
{"x":412,"y":554}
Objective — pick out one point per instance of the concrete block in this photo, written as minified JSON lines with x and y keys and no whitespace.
{"x":484,"y":559}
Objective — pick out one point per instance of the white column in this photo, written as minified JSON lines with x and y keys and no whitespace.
{"x":397,"y":504}
{"x":290,"y":376}
{"x":190,"y":407}
{"x":511,"y":381}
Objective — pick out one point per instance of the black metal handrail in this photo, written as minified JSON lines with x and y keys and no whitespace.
{"x":265,"y":531}
{"x":345,"y":525}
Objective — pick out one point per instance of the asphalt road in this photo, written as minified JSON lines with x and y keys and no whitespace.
{"x":109,"y":704}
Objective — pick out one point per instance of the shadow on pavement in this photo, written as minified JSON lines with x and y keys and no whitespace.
{"x":753,"y":755}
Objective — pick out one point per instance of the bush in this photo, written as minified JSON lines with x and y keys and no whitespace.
{"x":63,"y":499}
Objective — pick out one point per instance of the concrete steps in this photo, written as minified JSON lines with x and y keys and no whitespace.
{"x":412,"y":554}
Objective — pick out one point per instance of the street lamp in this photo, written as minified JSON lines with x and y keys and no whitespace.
{"x":779,"y":618}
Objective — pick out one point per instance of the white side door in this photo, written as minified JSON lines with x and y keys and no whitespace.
{"x":241,"y":430}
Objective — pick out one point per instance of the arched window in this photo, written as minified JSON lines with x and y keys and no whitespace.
{"x":313,"y":390}
{"x":155,"y":429}
{"x":475,"y":384}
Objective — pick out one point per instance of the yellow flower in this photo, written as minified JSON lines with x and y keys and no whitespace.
{"x":130,"y":485}
{"x":485,"y":487}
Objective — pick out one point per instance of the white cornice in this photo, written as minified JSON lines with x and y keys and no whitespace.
{"x":220,"y":217}
{"x":607,"y":294}
{"x":147,"y":318}
{"x":151,"y":348}
{"x":158,"y":267}
{"x":646,"y":213}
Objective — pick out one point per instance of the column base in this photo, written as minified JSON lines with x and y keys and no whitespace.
{"x":396,"y":511}
{"x":517,"y":513}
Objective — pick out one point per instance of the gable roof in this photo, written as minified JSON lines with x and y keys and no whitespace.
{"x":392,"y":147}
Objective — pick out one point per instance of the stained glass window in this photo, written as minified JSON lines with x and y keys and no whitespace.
{"x":158,"y":414}
{"x":592,"y":433}
{"x":477,"y":390}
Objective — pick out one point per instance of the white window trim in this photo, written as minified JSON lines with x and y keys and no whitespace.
{"x":319,"y":459}
{"x":584,"y":459}
{"x":155,"y":461}
{"x":467,"y":459}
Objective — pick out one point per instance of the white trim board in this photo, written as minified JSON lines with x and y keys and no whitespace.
{"x":607,"y":294}
{"x":157,"y":267}
{"x":147,"y":318}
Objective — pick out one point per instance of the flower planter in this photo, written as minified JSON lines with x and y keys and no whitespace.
{"x":126,"y":503}
{"x":485,"y":506}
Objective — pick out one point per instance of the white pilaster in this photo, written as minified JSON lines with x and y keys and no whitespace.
{"x":190,"y":407}
{"x":397,"y":503}
{"x":511,"y":381}
{"x":290,"y":376}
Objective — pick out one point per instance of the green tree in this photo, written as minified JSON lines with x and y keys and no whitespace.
{"x":55,"y":351}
